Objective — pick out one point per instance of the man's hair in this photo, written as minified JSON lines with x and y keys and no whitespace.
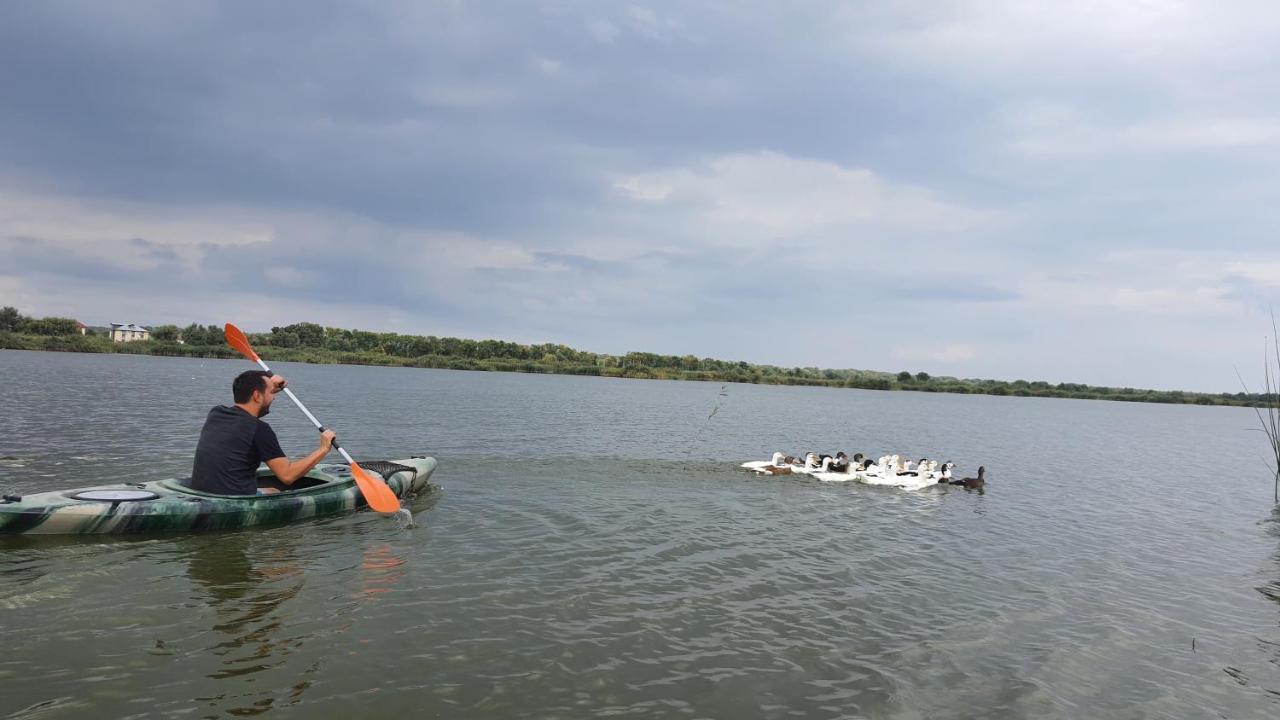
{"x":247,"y":382}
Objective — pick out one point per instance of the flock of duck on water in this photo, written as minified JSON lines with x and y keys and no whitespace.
{"x":885,"y":470}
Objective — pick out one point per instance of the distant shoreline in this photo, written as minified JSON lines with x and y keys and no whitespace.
{"x":566,"y":361}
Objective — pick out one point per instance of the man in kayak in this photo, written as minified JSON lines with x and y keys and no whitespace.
{"x":235,"y":440}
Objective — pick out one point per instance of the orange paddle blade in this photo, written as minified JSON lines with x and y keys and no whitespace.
{"x":237,"y":340}
{"x":376,"y":492}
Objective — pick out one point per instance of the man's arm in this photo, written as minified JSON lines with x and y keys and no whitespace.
{"x":288,"y":471}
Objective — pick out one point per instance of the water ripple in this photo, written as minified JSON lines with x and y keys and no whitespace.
{"x":589,"y":558}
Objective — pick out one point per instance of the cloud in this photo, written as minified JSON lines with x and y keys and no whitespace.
{"x":603,"y":31}
{"x":1046,"y":132}
{"x":767,"y":197}
{"x":1173,"y":301}
{"x":1171,"y":285}
{"x":290,"y":277}
{"x":85,"y":238}
{"x":1264,"y":272}
{"x":548,"y":66}
{"x":88,"y":222}
{"x":1175,"y":45}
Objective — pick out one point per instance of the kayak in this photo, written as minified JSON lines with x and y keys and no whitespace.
{"x":172,"y":506}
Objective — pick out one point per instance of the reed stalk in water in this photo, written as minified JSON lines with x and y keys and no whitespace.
{"x":1270,"y":420}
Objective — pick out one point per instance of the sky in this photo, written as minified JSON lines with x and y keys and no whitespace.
{"x":1071,"y":192}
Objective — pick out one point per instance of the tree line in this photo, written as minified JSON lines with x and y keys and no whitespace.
{"x":13,"y":321}
{"x":310,"y":342}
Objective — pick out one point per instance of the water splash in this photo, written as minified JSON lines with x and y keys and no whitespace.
{"x":404,"y":518}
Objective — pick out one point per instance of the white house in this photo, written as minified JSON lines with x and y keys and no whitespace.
{"x":128,"y":332}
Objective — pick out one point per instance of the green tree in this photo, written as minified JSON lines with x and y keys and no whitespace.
{"x":165,"y":333}
{"x":309,"y":334}
{"x":10,"y":319}
{"x":52,"y":326}
{"x":904,"y":377}
{"x":922,"y":376}
{"x":193,"y":334}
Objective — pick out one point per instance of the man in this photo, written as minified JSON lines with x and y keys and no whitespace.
{"x":235,"y":440}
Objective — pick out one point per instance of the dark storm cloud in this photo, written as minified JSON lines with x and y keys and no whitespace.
{"x":413,"y":113}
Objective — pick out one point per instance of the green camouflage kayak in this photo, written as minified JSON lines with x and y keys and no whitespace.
{"x":171,"y":506}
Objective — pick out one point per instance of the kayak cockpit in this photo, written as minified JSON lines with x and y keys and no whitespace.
{"x":321,"y":476}
{"x":270,"y":482}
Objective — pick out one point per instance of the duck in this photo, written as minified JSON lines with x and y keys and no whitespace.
{"x":867,"y":468}
{"x":840,"y":463}
{"x":811,"y":461}
{"x":881,"y":473}
{"x":973,"y":483}
{"x":893,"y":470}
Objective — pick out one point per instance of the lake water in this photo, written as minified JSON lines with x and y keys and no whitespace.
{"x":597,"y":552}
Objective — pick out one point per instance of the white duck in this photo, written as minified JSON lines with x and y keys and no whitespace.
{"x":811,"y":462}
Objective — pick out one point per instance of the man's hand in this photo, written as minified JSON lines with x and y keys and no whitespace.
{"x":277,"y":383}
{"x":326,"y":439}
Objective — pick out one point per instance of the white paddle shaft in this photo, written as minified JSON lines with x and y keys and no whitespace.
{"x":310,"y":417}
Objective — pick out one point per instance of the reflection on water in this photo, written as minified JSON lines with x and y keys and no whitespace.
{"x":248,"y":596}
{"x":381,"y":569}
{"x":249,"y":585}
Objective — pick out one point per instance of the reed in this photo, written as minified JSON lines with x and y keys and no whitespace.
{"x":1269,"y":413}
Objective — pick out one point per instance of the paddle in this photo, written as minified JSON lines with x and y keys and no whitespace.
{"x":376,"y":493}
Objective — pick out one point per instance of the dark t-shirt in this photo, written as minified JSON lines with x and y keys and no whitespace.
{"x":232,"y":445}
